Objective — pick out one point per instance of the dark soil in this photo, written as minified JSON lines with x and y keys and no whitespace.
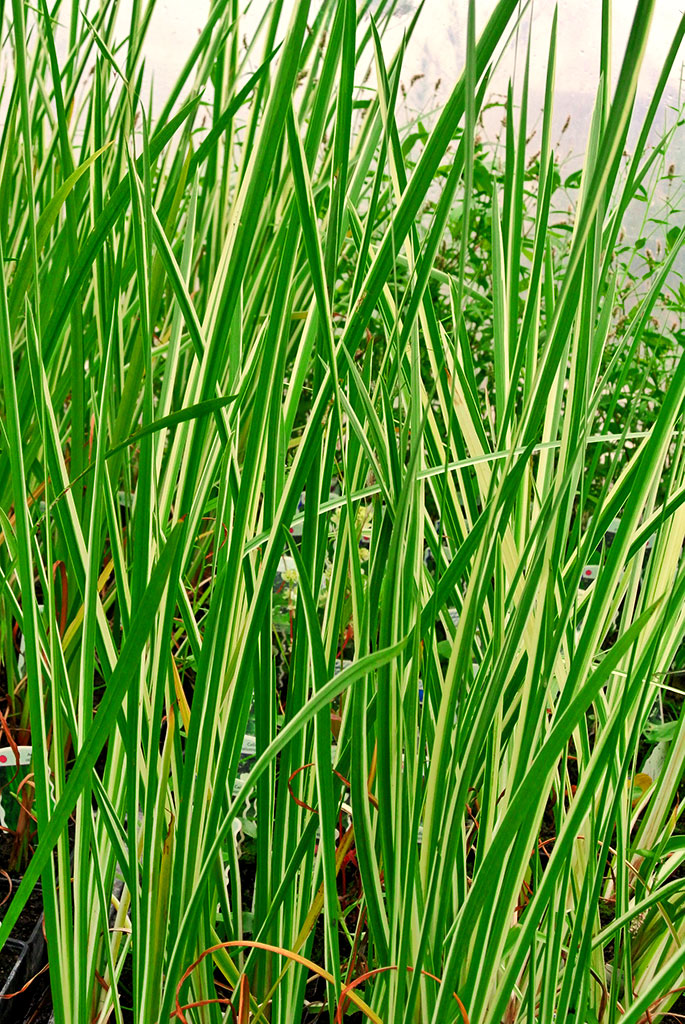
{"x":125,"y":990}
{"x":26,"y":948}
{"x":25,"y":926}
{"x":39,"y":1010}
{"x":9,"y":883}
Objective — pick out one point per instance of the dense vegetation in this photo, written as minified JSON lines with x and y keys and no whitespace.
{"x":342,"y":486}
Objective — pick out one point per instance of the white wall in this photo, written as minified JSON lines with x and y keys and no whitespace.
{"x":437,"y":52}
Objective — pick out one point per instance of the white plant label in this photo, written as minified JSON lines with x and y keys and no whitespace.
{"x":8,"y":757}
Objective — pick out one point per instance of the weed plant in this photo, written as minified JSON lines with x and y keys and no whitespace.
{"x":265,"y":335}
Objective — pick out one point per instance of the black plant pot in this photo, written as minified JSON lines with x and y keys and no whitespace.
{"x":21,"y":959}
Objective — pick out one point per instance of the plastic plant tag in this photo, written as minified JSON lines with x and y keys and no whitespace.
{"x":8,"y":757}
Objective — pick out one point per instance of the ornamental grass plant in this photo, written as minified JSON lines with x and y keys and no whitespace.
{"x":430,"y":775}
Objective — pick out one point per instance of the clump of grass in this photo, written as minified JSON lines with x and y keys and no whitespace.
{"x":224,"y":360}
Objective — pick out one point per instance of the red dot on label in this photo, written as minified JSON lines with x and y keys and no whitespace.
{"x":588,"y":572}
{"x":2,"y":758}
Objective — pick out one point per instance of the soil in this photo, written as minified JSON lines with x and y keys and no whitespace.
{"x":39,"y":1009}
{"x":9,"y":883}
{"x":34,"y":1005}
{"x":125,"y":990}
{"x":25,"y":926}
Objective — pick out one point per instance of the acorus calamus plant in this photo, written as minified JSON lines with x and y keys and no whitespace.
{"x":221,"y":361}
